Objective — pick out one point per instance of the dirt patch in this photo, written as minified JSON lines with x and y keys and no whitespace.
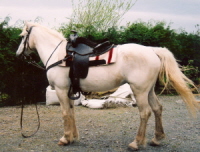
{"x":102,"y":130}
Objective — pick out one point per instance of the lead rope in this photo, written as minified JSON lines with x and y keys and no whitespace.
{"x":22,"y":111}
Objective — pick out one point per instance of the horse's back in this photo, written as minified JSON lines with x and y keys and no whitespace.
{"x":139,"y":56}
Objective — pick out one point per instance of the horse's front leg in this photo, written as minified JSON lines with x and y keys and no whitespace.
{"x":67,"y":107}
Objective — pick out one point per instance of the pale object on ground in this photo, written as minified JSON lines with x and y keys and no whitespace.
{"x":121,"y":94}
{"x":93,"y":103}
{"x":117,"y":99}
{"x":52,"y":98}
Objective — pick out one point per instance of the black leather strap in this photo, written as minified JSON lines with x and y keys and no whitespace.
{"x":53,"y":52}
{"x":58,"y":62}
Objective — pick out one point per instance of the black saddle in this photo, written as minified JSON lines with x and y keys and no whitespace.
{"x":80,"y":49}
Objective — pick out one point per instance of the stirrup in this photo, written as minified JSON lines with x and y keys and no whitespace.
{"x":73,"y":96}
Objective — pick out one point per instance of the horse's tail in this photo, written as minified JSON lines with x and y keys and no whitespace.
{"x":170,"y":74}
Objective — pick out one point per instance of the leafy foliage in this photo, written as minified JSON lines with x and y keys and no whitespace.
{"x":89,"y":16}
{"x":19,"y":80}
{"x":191,"y":71}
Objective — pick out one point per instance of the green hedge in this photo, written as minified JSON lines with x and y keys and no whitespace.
{"x":19,"y":80}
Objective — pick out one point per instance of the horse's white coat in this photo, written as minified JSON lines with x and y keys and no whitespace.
{"x":136,"y":64}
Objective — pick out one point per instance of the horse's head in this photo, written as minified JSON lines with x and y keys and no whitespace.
{"x":26,"y":46}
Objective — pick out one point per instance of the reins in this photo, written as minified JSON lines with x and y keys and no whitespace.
{"x":36,"y":65}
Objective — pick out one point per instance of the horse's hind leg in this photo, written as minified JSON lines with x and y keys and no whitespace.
{"x":145,"y":112}
{"x":157,"y":109}
{"x":67,"y":107}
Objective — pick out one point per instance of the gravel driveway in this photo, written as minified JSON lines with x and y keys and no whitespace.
{"x":102,"y":130}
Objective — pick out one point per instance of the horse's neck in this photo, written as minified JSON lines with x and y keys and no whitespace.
{"x":46,"y":45}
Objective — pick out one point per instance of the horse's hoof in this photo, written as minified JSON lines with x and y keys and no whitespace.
{"x":154,"y":143}
{"x":134,"y":105}
{"x":60,"y":143}
{"x":133,"y":146}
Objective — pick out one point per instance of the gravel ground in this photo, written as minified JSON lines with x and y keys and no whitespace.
{"x":102,"y":130}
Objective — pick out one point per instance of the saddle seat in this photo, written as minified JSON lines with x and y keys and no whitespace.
{"x":80,"y":49}
{"x":85,"y":47}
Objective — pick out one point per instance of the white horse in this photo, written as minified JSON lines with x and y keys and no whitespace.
{"x":139,"y":66}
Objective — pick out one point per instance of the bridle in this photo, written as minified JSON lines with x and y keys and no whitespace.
{"x":26,"y":42}
{"x":27,"y":57}
{"x":30,"y":60}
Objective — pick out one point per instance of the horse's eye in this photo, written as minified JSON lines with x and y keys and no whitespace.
{"x":22,"y":37}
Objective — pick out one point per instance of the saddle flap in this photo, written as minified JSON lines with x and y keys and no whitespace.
{"x":80,"y":66}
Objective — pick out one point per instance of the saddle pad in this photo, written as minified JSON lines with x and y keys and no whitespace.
{"x":109,"y":57}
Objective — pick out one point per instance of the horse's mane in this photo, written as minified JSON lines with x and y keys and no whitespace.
{"x":51,"y":31}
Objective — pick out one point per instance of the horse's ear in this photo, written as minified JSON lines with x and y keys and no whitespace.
{"x":26,"y":23}
{"x":25,"y":28}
